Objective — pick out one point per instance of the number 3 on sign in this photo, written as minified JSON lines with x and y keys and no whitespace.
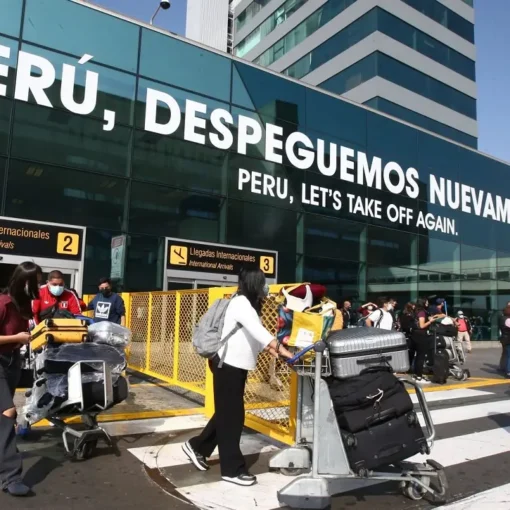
{"x":68,"y":244}
{"x":267,"y":264}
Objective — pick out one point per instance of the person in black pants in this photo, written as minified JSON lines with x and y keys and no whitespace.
{"x":15,"y":312}
{"x":230,"y":369}
{"x":407,"y":325}
{"x":421,"y":341}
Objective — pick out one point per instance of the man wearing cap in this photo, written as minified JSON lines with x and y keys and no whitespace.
{"x":438,"y":309}
{"x":464,"y":329}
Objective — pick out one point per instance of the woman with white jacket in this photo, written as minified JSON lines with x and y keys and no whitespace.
{"x":239,"y":356}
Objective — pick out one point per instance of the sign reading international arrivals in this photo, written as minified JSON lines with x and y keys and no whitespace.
{"x":184,"y":255}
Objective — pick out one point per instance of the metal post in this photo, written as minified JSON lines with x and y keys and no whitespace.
{"x":316,"y":413}
{"x":154,"y":15}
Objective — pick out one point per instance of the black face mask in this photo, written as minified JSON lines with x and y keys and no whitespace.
{"x":105,"y":292}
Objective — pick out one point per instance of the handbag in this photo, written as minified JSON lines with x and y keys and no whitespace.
{"x":301,"y":329}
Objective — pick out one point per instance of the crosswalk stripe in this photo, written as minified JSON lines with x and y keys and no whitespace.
{"x":467,"y":412}
{"x":493,"y":499}
{"x":436,"y":396}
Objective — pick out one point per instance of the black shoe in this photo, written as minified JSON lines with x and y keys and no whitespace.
{"x":246,"y":480}
{"x":18,"y":489}
{"x":195,"y":457}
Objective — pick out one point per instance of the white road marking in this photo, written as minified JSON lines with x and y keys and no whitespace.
{"x":436,"y":396}
{"x":493,"y":499}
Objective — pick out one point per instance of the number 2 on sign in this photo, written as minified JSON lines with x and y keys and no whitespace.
{"x":68,"y":244}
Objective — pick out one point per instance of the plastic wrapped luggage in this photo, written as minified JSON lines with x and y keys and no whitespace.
{"x":58,"y":331}
{"x":355,"y":349}
{"x":110,"y":333}
{"x":386,"y":443}
{"x":373,"y":397}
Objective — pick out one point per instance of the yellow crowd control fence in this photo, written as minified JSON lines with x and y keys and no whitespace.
{"x":162,"y":324}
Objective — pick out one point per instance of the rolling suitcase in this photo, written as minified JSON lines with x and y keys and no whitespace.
{"x":441,"y":367}
{"x":373,"y":397}
{"x":355,"y":349}
{"x":387,"y":443}
{"x":58,"y":331}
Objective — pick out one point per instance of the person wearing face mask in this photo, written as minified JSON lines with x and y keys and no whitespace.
{"x":107,"y":305}
{"x":15,"y":312}
{"x":54,"y":297}
{"x":382,"y":317}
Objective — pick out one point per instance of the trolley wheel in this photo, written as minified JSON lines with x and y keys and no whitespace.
{"x":86,"y":450}
{"x":415,"y":492}
{"x":288,"y":471}
{"x":459,"y":374}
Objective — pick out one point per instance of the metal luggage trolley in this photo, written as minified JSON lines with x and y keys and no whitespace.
{"x":319,"y":450}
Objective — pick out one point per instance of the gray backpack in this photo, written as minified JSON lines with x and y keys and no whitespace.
{"x":207,"y":335}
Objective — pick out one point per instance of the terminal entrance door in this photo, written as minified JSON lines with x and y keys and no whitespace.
{"x":52,"y":246}
{"x":189,"y":284}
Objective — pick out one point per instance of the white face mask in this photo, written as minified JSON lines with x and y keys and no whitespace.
{"x":389,"y":308}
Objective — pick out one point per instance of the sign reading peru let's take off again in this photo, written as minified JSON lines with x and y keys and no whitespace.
{"x":345,"y":167}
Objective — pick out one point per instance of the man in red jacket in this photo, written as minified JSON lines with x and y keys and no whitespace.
{"x":55,"y":294}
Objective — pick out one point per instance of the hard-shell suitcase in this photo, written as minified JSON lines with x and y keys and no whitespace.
{"x":441,"y":367}
{"x":58,"y":331}
{"x":355,"y":349}
{"x":387,"y":443}
{"x":368,"y":399}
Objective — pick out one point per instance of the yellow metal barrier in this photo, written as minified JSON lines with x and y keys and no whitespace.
{"x":162,"y":324}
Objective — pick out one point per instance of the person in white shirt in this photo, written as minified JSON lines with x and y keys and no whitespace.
{"x":382,"y":317}
{"x":239,"y":355}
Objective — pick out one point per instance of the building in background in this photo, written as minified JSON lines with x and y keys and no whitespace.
{"x":413,"y":59}
{"x":211,"y":22}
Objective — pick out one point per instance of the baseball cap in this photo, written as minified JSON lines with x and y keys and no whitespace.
{"x":439,"y":301}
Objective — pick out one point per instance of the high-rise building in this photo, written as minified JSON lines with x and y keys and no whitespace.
{"x":412,"y":59}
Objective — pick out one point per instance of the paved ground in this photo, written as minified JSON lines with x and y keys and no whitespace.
{"x":148,"y":467}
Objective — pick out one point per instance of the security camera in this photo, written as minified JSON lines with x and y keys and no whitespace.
{"x":165,"y":4}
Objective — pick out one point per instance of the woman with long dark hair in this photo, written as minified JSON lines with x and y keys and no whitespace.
{"x":15,"y":312}
{"x":421,"y":341}
{"x":504,"y":326}
{"x":239,"y":355}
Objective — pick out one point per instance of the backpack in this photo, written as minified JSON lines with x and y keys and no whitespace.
{"x":207,"y":339}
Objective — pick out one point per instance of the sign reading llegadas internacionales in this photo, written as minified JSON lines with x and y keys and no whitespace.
{"x":45,"y":240}
{"x":217,"y":258}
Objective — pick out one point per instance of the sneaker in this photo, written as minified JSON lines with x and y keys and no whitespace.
{"x":17,"y":489}
{"x":421,"y":380}
{"x":195,"y":457}
{"x":245,"y":480}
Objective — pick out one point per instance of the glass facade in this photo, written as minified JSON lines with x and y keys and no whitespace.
{"x":211,"y":149}
{"x":380,"y":20}
{"x":380,"y":64}
{"x":332,"y":8}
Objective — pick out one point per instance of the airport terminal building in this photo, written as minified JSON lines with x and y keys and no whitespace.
{"x":129,"y":152}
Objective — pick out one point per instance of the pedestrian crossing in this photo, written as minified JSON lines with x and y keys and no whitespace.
{"x":472,"y":443}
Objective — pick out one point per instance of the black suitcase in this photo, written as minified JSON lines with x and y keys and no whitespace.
{"x":441,"y":368}
{"x":372,"y":397}
{"x":388,"y":443}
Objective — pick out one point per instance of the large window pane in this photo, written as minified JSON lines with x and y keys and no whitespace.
{"x":173,"y":212}
{"x":3,"y":163}
{"x":82,"y":30}
{"x":387,"y":247}
{"x":269,"y":95}
{"x":334,"y":238}
{"x":184,"y":65}
{"x":395,"y":110}
{"x":260,"y":226}
{"x":395,"y":282}
{"x":98,"y":251}
{"x":5,"y":117}
{"x":10,"y":17}
{"x":116,"y":90}
{"x":145,"y":261}
{"x":55,"y":136}
{"x":478,"y":263}
{"x":175,"y":162}
{"x":342,"y":279}
{"x":326,"y":114}
{"x":439,"y":256}
{"x":11,"y":63}
{"x":50,"y":193}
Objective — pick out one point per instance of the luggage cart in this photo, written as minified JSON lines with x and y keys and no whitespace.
{"x":457,"y":359}
{"x":85,"y":441}
{"x":319,"y":450}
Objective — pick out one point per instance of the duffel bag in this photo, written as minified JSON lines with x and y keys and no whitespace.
{"x":375,"y":396}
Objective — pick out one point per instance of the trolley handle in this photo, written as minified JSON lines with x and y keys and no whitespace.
{"x":317,"y":347}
